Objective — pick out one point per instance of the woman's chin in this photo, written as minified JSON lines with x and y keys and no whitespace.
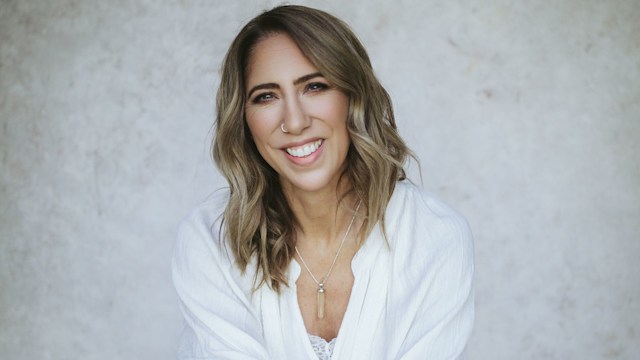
{"x":310,"y":185}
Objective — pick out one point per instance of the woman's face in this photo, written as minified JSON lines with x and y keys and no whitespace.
{"x":284,"y":90}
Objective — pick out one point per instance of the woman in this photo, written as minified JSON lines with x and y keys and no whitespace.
{"x":319,"y":248}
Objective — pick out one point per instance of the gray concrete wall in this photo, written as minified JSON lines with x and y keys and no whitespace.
{"x":525,"y":115}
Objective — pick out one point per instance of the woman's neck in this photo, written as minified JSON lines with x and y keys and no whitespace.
{"x":322,"y":216}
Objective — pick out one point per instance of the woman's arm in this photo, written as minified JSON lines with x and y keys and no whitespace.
{"x":446,"y":311}
{"x":220,"y":322}
{"x":433,"y":283}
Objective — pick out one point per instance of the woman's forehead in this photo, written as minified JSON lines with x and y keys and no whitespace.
{"x":277,"y":57}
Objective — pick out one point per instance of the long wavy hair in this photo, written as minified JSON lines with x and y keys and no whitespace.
{"x":258,"y":221}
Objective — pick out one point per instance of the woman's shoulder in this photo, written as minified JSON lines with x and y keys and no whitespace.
{"x":200,"y":233}
{"x":423,"y":220}
{"x":411,"y":197}
{"x":201,"y":254}
{"x":209,"y":212}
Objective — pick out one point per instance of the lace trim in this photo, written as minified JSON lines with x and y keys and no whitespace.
{"x":321,"y":347}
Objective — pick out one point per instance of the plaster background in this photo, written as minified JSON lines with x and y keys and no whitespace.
{"x":525,"y":116}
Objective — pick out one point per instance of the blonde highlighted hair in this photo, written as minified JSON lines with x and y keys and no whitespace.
{"x":258,"y":221}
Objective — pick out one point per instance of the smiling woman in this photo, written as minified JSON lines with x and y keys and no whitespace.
{"x":319,"y":248}
{"x":288,"y":92}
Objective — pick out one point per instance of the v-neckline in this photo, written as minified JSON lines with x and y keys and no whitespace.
{"x":357,"y":263}
{"x":295,"y":271}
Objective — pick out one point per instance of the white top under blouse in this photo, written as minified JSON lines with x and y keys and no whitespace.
{"x":321,"y":347}
{"x":412,"y":297}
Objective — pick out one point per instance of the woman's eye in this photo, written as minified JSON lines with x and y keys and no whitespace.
{"x":263,"y":98}
{"x":317,"y":86}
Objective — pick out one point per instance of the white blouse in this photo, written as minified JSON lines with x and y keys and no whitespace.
{"x":412,"y":297}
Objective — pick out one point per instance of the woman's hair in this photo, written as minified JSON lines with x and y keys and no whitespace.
{"x":258,"y":220}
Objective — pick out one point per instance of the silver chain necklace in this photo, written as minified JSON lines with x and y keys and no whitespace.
{"x":321,"y":290}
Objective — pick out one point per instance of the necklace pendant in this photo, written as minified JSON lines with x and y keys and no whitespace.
{"x":321,"y":301}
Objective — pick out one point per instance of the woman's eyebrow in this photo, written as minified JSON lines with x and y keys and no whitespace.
{"x":262,"y":87}
{"x":268,"y":86}
{"x":302,"y":79}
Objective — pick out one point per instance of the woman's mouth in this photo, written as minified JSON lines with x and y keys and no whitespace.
{"x":304,"y":150}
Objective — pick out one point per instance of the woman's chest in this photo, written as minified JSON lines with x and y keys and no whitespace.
{"x":323,"y":306}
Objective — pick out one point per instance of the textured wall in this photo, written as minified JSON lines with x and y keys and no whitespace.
{"x":525,"y":115}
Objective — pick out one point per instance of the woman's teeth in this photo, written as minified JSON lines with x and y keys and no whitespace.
{"x":305,"y":150}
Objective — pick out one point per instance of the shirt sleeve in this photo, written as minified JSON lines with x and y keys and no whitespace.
{"x":433,"y":294}
{"x":220,"y":322}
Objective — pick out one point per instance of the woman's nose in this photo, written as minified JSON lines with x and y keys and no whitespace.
{"x":295,"y":117}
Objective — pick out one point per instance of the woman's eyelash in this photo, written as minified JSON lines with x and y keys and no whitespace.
{"x":316,"y":86}
{"x":264,"y":97}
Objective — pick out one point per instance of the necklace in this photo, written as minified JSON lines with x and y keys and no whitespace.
{"x":321,"y":291}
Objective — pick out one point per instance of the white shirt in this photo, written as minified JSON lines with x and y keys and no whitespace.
{"x":412,"y":298}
